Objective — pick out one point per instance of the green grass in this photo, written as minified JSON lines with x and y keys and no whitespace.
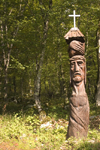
{"x":25,"y":130}
{"x":94,"y":110}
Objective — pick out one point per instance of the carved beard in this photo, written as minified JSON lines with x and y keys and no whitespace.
{"x":77,"y":78}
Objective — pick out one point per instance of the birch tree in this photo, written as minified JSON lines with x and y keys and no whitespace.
{"x":11,"y":16}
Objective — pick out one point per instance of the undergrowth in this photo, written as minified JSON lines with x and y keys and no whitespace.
{"x":27,"y":131}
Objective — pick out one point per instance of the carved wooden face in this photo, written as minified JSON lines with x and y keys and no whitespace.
{"x":77,"y":70}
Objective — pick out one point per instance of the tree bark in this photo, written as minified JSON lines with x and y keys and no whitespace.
{"x":97,"y":97}
{"x":6,"y":64}
{"x":37,"y":87}
{"x":38,"y":78}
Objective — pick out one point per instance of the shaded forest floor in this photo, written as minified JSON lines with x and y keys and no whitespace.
{"x":21,"y":128}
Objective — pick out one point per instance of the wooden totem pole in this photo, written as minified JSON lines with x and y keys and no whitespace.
{"x":79,"y":105}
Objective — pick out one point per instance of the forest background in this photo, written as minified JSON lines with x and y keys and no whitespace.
{"x":34,"y":61}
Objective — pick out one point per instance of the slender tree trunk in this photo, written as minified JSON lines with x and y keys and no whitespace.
{"x":5,"y":87}
{"x":14,"y":86}
{"x":38,"y":78}
{"x":98,"y":85}
{"x":30,"y":85}
{"x":21,"y":90}
{"x":37,"y":87}
{"x":0,"y":74}
{"x":6,"y":60}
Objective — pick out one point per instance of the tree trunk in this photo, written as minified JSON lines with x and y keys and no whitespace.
{"x":5,"y":87}
{"x":98,"y":85}
{"x":38,"y":78}
{"x":14,"y":86}
{"x":0,"y":76}
{"x":37,"y":87}
{"x":6,"y":60}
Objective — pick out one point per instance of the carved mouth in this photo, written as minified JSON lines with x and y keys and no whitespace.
{"x":77,"y":74}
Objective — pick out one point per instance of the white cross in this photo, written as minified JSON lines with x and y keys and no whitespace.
{"x":74,"y":17}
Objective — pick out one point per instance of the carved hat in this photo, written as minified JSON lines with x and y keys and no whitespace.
{"x":74,"y":34}
{"x":76,"y":41}
{"x":76,"y":48}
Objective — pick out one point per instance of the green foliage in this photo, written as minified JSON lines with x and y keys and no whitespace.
{"x":32,"y":121}
{"x":22,"y":31}
{"x":28,"y":132}
{"x":23,"y":27}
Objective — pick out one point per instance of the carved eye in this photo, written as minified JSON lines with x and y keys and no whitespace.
{"x":80,"y":63}
{"x":72,"y":64}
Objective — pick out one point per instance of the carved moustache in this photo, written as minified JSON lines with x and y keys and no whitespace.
{"x":75,"y":74}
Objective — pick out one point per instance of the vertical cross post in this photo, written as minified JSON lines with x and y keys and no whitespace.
{"x":74,"y":17}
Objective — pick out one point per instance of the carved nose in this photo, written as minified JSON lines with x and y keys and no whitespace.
{"x":76,"y":67}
